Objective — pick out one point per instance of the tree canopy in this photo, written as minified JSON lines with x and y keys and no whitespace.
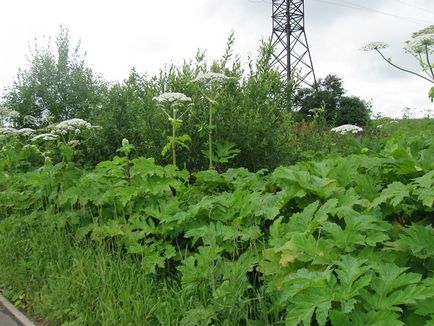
{"x":56,"y":86}
{"x":328,"y":95}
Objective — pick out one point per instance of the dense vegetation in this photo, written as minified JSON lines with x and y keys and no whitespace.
{"x":260,"y":219}
{"x":254,"y":108}
{"x":340,"y":240}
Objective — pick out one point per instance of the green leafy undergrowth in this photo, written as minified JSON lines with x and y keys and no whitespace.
{"x":345,"y":240}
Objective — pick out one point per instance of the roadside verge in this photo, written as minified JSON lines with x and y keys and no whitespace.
{"x":18,"y":315}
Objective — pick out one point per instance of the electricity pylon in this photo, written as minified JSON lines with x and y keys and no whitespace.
{"x":291,"y":51}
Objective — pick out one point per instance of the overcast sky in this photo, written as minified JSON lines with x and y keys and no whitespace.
{"x":118,"y":35}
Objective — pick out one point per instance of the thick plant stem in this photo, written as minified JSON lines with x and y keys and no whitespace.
{"x":402,"y":69}
{"x":210,"y":138}
{"x":173,"y":138}
{"x":429,"y":62}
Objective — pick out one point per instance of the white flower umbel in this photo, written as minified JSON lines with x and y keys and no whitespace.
{"x":344,"y":129}
{"x":420,"y":44}
{"x":8,"y":131}
{"x":74,"y":143}
{"x":374,"y":46}
{"x":172,"y":97}
{"x":25,"y":131}
{"x":210,"y":76}
{"x":70,"y":125}
{"x":44,"y":137}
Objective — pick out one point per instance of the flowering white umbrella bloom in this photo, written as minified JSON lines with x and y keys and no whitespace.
{"x":420,"y":44}
{"x":44,"y":137}
{"x":210,"y":76}
{"x":71,"y":125}
{"x":74,"y":143}
{"x":8,"y":131}
{"x":25,"y":131}
{"x":344,"y":129}
{"x":374,"y":46}
{"x":172,"y":97}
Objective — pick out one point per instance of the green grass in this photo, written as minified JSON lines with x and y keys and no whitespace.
{"x":70,"y":284}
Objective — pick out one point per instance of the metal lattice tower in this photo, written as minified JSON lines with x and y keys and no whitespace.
{"x":291,"y":51}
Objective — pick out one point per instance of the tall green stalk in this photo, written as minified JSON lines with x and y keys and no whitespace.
{"x":173,"y":101}
{"x":174,"y":136}
{"x":210,"y":137}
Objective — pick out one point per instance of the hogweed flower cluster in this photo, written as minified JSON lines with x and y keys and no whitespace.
{"x":13,"y":131}
{"x":8,"y":131}
{"x":26,"y":131}
{"x":344,"y":129}
{"x":172,"y":97}
{"x":374,"y":46}
{"x":74,"y":125}
{"x":420,"y":44}
{"x":45,"y":136}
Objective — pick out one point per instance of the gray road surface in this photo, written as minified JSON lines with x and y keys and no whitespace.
{"x":6,"y":319}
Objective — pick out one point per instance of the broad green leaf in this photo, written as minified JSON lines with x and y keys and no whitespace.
{"x":313,"y":301}
{"x":394,"y":194}
{"x":198,"y":316}
{"x":424,"y":189}
{"x":417,"y":239}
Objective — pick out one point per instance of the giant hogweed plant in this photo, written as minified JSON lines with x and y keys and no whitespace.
{"x":211,"y":83}
{"x":339,"y":241}
{"x":174,"y":108}
{"x":421,"y":47}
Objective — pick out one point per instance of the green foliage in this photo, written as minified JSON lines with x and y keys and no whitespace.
{"x":353,"y":110}
{"x":251,"y":108}
{"x":333,"y":239}
{"x":340,"y":240}
{"x":328,"y":95}
{"x":56,"y":86}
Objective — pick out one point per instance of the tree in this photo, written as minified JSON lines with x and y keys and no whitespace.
{"x":55,"y":85}
{"x":353,"y":110}
{"x":326,"y":96}
{"x":325,"y":93}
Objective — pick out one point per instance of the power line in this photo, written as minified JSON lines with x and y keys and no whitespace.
{"x":416,"y":6}
{"x":351,"y":5}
